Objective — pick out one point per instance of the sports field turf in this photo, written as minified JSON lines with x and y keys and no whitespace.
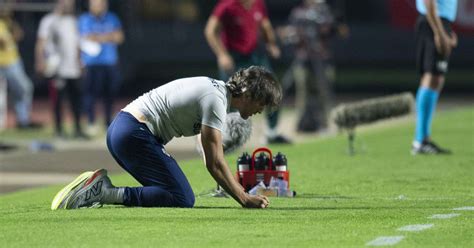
{"x":342,"y":201}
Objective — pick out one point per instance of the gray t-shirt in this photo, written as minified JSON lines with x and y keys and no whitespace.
{"x":180,"y":107}
{"x":62,"y":41}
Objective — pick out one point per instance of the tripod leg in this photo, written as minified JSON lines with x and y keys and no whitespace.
{"x":351,"y":137}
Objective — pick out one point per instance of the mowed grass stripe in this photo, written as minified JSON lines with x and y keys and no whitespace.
{"x":345,"y":201}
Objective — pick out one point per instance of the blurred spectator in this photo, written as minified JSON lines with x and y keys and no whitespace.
{"x":57,"y":59}
{"x":434,"y":43}
{"x":11,"y":68}
{"x":232,"y":32}
{"x":101,"y":32}
{"x":311,"y":27}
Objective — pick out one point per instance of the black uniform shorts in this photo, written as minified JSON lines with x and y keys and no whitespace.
{"x":427,"y":58}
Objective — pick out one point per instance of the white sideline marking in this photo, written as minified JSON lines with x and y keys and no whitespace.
{"x":401,"y":197}
{"x":443,"y":216}
{"x":385,"y":240}
{"x":415,"y":228}
{"x":469,"y":208}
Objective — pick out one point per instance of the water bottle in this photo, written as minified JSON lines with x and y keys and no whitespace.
{"x":280,"y":163}
{"x":266,"y":163}
{"x":261,"y":161}
{"x":243,"y":162}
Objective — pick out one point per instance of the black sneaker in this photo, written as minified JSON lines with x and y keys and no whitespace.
{"x":440,"y":149}
{"x":279,"y":139}
{"x":428,"y":147}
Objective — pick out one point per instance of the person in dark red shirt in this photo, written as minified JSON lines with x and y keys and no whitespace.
{"x":233,"y":32}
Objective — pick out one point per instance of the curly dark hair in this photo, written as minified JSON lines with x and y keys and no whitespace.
{"x":258,"y":83}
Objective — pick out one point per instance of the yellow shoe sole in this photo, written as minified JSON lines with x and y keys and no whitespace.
{"x":64,"y":192}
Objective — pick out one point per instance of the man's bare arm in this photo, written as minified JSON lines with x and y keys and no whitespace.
{"x":39,"y":55}
{"x":116,"y":37}
{"x":270,"y":39}
{"x":212,"y":34}
{"x":217,"y":167}
{"x":17,"y":32}
{"x":444,"y":42}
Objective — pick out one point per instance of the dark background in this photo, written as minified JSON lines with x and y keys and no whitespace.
{"x":164,"y":41}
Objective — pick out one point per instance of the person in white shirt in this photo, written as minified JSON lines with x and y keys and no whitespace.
{"x":57,"y":60}
{"x":184,"y":107}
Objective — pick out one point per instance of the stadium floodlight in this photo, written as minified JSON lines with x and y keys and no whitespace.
{"x":349,"y":116}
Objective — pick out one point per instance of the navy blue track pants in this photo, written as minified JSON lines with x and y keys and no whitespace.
{"x":144,"y":157}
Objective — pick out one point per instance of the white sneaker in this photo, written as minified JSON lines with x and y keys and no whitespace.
{"x":62,"y":197}
{"x":90,"y":192}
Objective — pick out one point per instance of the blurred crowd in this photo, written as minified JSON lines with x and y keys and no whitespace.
{"x":77,"y":57}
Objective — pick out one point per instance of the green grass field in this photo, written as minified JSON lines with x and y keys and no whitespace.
{"x":342,"y":201}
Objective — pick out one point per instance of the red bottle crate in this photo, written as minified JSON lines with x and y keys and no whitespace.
{"x":251,"y":177}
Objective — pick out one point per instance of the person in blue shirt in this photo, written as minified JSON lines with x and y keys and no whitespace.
{"x":101,"y":32}
{"x":434,"y":43}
